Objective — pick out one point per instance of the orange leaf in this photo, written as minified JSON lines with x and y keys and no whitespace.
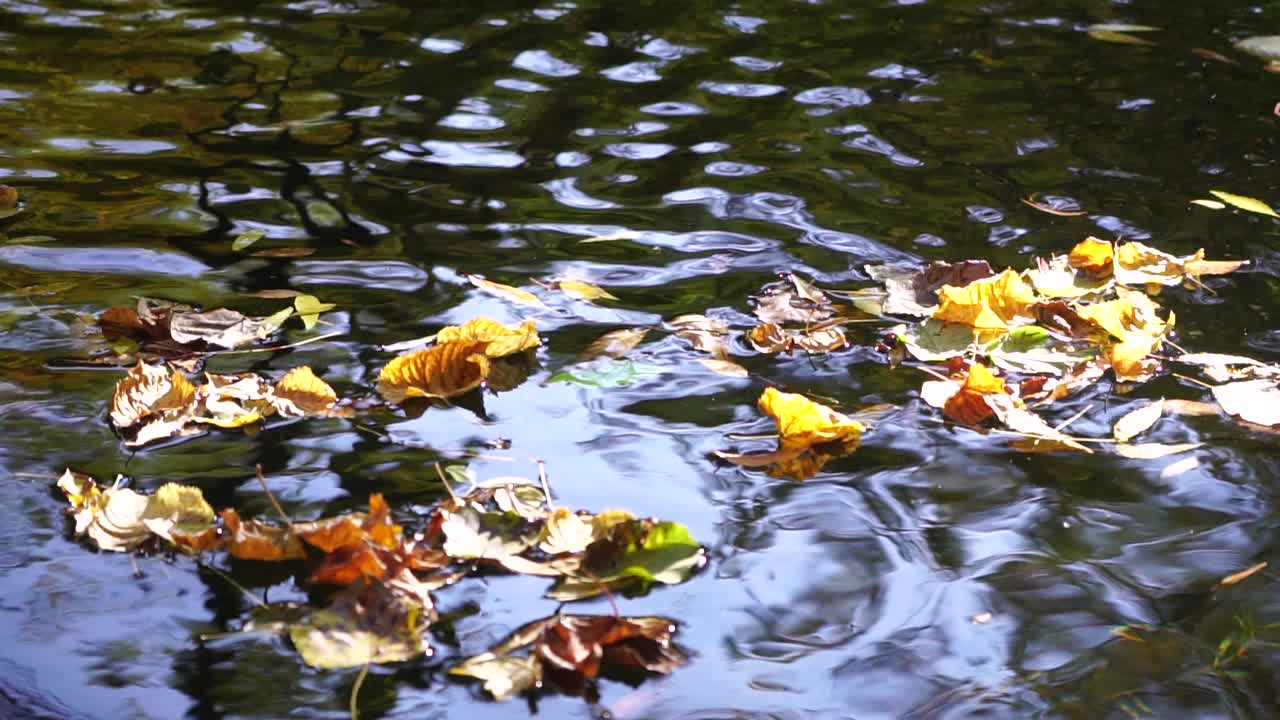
{"x":444,"y":371}
{"x":969,"y":405}
{"x":252,"y":540}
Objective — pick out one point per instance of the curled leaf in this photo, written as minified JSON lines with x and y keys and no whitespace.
{"x":500,"y":340}
{"x":990,"y":304}
{"x":443,"y":371}
{"x":1093,"y":256}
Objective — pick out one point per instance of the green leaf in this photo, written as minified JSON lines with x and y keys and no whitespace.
{"x":1121,"y":27}
{"x":1022,"y":339}
{"x":615,"y":374}
{"x":246,"y":239}
{"x":1120,"y":38}
{"x":934,"y":340}
{"x":668,"y":555}
{"x":180,"y":508}
{"x":1244,"y":202}
{"x":272,"y":322}
{"x":309,"y":308}
{"x":328,"y":640}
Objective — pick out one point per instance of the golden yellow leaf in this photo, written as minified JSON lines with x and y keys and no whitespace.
{"x":506,"y":291}
{"x":500,"y":339}
{"x":1133,"y":311}
{"x":1092,"y":256}
{"x":987,"y":304}
{"x":307,"y":392}
{"x":444,"y":371}
{"x":969,"y":405}
{"x":803,"y":422}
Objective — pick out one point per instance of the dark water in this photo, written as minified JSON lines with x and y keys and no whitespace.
{"x":409,"y":143}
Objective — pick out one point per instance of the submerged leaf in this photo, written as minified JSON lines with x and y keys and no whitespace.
{"x":615,"y":344}
{"x":505,"y":292}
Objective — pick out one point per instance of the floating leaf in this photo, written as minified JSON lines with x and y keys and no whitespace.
{"x":619,"y":235}
{"x":177,"y":508}
{"x":703,"y":333}
{"x":304,"y":393}
{"x":1255,"y":401}
{"x":614,"y":344}
{"x":112,"y":518}
{"x":1181,"y":467}
{"x":630,"y":554}
{"x":934,"y":340}
{"x":579,"y":289}
{"x":500,"y":340}
{"x":1211,"y":204}
{"x":1138,"y":421}
{"x":772,"y":338}
{"x":969,"y":404}
{"x":222,"y":327}
{"x":309,"y":308}
{"x":505,"y":292}
{"x":1113,"y":36}
{"x":565,"y":532}
{"x":473,"y":535}
{"x":990,"y":304}
{"x":1121,"y":27}
{"x":284,"y":252}
{"x":246,"y":239}
{"x":359,"y":628}
{"x":811,"y":434}
{"x":1244,"y":202}
{"x":443,"y":371}
{"x":1266,"y":47}
{"x":1153,"y":451}
{"x":1093,"y":256}
{"x":724,"y":367}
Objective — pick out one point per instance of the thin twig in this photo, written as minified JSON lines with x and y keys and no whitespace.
{"x":355,"y":691}
{"x":928,"y":370}
{"x":546,"y":487}
{"x":1073,"y":418}
{"x":273,"y":348}
{"x":271,"y":496}
{"x":1201,"y":383}
{"x":445,"y":482}
{"x":230,"y":581}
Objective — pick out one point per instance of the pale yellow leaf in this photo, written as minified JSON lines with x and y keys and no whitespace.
{"x":1244,"y":202}
{"x":505,"y":291}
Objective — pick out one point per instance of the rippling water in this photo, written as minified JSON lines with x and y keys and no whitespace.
{"x":408,"y":145}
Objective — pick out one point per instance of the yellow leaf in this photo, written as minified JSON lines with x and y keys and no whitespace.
{"x":309,"y":308}
{"x":505,"y":291}
{"x":1133,"y":311}
{"x":234,"y":421}
{"x":307,"y":392}
{"x":500,"y":340}
{"x":444,"y":371}
{"x":1244,"y":203}
{"x":1092,"y":256}
{"x":803,"y":422}
{"x":583,"y":290}
{"x":986,"y":304}
{"x":180,"y":508}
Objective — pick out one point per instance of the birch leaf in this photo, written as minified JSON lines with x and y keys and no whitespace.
{"x":309,"y":308}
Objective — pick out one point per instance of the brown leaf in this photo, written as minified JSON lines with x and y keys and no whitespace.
{"x":770,"y":338}
{"x":703,"y":333}
{"x":615,"y":344}
{"x":221,"y":327}
{"x":284,"y":252}
{"x":969,"y":405}
{"x":915,"y":293}
{"x":443,"y":371}
{"x":253,"y":540}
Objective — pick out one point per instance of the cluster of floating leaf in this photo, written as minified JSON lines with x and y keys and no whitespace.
{"x":383,"y":576}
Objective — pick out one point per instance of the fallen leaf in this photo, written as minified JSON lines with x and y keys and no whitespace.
{"x":254,"y":540}
{"x":703,"y":333}
{"x":304,"y":393}
{"x":1138,"y":421}
{"x":505,"y":292}
{"x":1122,"y":27}
{"x":990,"y":304}
{"x":1266,"y":47}
{"x":473,"y":535}
{"x":1211,"y":204}
{"x":615,"y":344}
{"x":580,"y":290}
{"x":1055,"y":278}
{"x":619,"y":373}
{"x":1093,"y":256}
{"x":112,"y":518}
{"x":565,"y":532}
{"x":724,"y":367}
{"x":1114,"y":36}
{"x":915,"y":292}
{"x":969,"y":404}
{"x":1244,"y":202}
{"x":222,"y":327}
{"x":284,"y":252}
{"x":1192,"y":408}
{"x":361,"y":627}
{"x":1255,"y":401}
{"x":1181,"y":467}
{"x":246,"y":239}
{"x":619,"y":235}
{"x":771,"y":338}
{"x":177,"y":508}
{"x":444,"y":371}
{"x":629,"y":554}
{"x":934,"y":340}
{"x":499,"y":340}
{"x":309,"y":308}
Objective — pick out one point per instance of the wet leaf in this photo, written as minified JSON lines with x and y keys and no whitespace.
{"x":222,"y":327}
{"x":309,"y":308}
{"x":934,"y":340}
{"x":444,"y":371}
{"x":631,"y":555}
{"x":362,"y":626}
{"x":811,"y":434}
{"x":990,"y":304}
{"x":177,"y":508}
{"x":724,"y":367}
{"x":571,"y":650}
{"x":1211,"y":204}
{"x":1245,"y":574}
{"x":1056,"y":278}
{"x":112,"y":518}
{"x":1244,"y":202}
{"x":245,"y":239}
{"x":613,"y":236}
{"x":771,"y":338}
{"x":1255,"y":401}
{"x":300,"y":392}
{"x":1113,"y":36}
{"x":969,"y":405}
{"x":254,"y":540}
{"x":615,"y":344}
{"x":473,"y":535}
{"x":565,"y":532}
{"x":1181,"y":467}
{"x":582,"y":290}
{"x":506,"y":292}
{"x":1266,"y":47}
{"x":1121,"y":27}
{"x":1138,"y":421}
{"x":500,"y":340}
{"x":284,"y":252}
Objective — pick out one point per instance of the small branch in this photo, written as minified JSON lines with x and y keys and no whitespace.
{"x":271,"y":496}
{"x":445,"y":481}
{"x":1194,"y":381}
{"x":273,"y":348}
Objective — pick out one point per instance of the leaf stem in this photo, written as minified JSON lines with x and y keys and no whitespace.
{"x":355,"y":691}
{"x":272,"y":497}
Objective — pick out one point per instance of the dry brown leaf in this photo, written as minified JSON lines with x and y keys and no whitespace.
{"x":703,"y":333}
{"x":444,"y":371}
{"x":1153,"y":451}
{"x":500,"y":340}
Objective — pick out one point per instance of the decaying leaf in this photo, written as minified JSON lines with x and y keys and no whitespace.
{"x":1153,"y":451}
{"x":444,"y":371}
{"x":153,"y":402}
{"x":771,"y":338}
{"x":363,"y":625}
{"x":119,"y":519}
{"x":505,"y":292}
{"x":570,"y":651}
{"x":915,"y":292}
{"x":703,"y":333}
{"x":578,"y":289}
{"x":629,"y":555}
{"x":969,"y":404}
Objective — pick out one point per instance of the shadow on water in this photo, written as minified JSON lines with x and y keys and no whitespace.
{"x":935,"y":574}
